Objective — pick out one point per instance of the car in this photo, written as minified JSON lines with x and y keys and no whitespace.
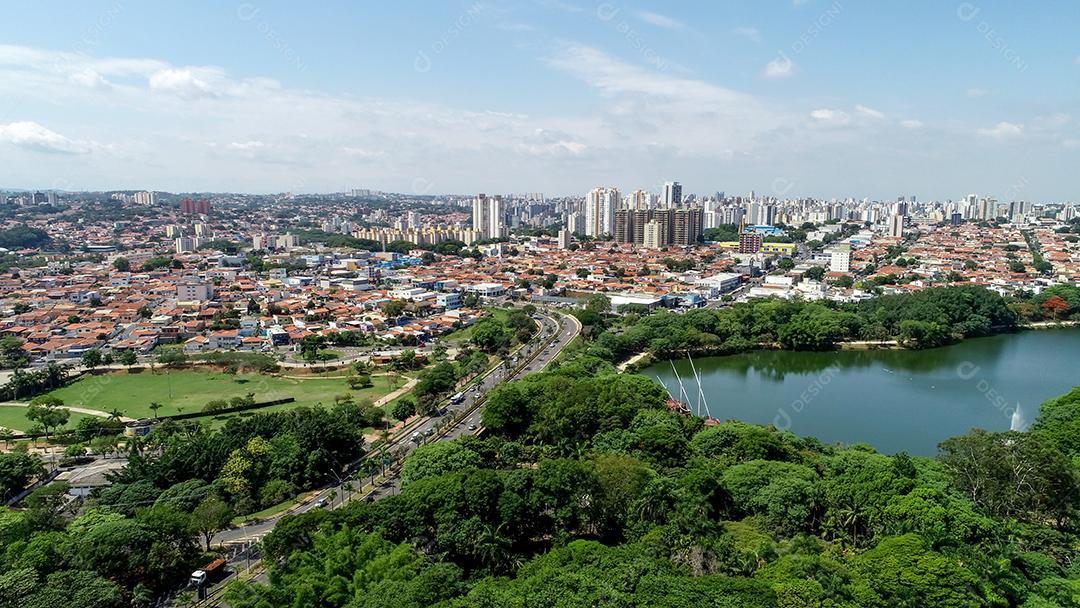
{"x":321,"y":503}
{"x":472,"y":427}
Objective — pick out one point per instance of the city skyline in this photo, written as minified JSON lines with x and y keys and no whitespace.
{"x":956,"y":98}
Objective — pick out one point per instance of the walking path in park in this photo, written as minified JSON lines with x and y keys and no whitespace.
{"x":394,"y":395}
{"x":79,"y":410}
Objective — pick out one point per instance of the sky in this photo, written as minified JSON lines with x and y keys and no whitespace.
{"x":823,"y":98}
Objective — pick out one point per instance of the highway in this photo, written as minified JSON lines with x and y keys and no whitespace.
{"x":539,"y":353}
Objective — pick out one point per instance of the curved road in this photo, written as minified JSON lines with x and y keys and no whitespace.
{"x":564,"y":327}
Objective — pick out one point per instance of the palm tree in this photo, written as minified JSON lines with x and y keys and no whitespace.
{"x":116,"y":415}
{"x":155,"y":406}
{"x":494,"y":550}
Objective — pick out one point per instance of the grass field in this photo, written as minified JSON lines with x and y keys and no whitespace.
{"x":186,"y":391}
{"x":15,"y":418}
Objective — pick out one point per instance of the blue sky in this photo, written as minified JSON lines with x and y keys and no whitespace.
{"x":794,"y":98}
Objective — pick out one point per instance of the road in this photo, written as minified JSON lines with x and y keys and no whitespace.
{"x":565,"y":328}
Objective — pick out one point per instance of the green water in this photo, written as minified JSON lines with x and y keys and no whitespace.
{"x":892,"y":400}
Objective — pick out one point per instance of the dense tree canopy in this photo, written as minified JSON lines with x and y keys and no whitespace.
{"x":588,"y":491}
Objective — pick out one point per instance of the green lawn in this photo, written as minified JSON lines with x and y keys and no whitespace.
{"x":185,"y":391}
{"x":15,"y":418}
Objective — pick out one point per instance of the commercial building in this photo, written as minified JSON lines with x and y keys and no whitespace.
{"x":785,"y":249}
{"x":723,"y":282}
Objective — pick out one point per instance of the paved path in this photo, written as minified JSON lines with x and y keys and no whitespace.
{"x":399,"y":392}
{"x":72,"y":408}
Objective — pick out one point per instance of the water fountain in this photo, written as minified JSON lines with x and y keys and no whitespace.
{"x":1018,"y":423}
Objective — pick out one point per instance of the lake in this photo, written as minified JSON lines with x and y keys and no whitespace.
{"x":894,"y":400}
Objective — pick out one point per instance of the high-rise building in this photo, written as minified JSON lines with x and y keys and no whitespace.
{"x":896,"y":226}
{"x":600,"y":206}
{"x":673,"y":226}
{"x":146,"y":198}
{"x":687,"y":227}
{"x":672,"y":195}
{"x":192,"y":207}
{"x":640,"y":200}
{"x":750,"y":242}
{"x":480,"y":213}
{"x":840,"y":257}
{"x":184,"y":244}
{"x":564,"y":239}
{"x":496,"y":218}
{"x":651,"y":235}
{"x":575,"y":223}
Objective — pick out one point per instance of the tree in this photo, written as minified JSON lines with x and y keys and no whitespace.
{"x":126,"y":357}
{"x":121,"y":264}
{"x":1055,"y":305}
{"x":171,"y":357}
{"x":815,"y":273}
{"x":154,"y":407}
{"x":17,"y":468}
{"x":91,"y":358}
{"x":437,"y":459}
{"x":403,"y":408}
{"x":598,"y":303}
{"x":490,"y":335}
{"x":310,"y":346}
{"x":49,"y":412}
{"x":394,"y":308}
{"x":211,"y":516}
{"x":12,"y":355}
{"x":1012,"y":475}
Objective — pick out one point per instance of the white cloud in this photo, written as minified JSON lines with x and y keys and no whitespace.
{"x":660,"y":20}
{"x":911,"y":124}
{"x":748,"y":32}
{"x":977,"y":92}
{"x":781,"y":67}
{"x":869,"y":112}
{"x":185,"y":83}
{"x":1002,"y":130}
{"x":90,"y":79}
{"x":246,"y":146}
{"x":830,"y":118}
{"x":32,"y":136}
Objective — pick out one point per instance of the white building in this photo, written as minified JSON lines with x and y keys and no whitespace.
{"x":194,"y":292}
{"x":600,"y":205}
{"x":564,"y":239}
{"x":146,"y":198}
{"x":651,"y":235}
{"x":840,"y":258}
{"x":723,"y":282}
{"x":488,"y":216}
